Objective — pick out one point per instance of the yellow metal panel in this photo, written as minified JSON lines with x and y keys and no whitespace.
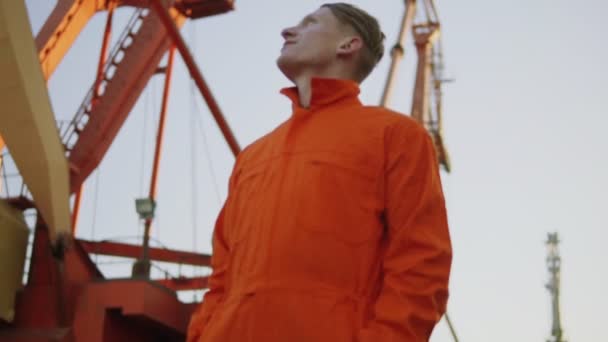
{"x":26,"y":120}
{"x":13,"y":245}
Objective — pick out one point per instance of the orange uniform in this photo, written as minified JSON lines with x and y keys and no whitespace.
{"x":334,"y":230}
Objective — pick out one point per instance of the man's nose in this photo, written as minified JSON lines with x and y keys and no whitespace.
{"x":288,"y":33}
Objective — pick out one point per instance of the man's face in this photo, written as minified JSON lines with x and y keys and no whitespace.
{"x":312,"y":44}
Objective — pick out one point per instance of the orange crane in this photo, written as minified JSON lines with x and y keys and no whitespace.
{"x":426,"y":105}
{"x":66,"y":298}
{"x":427,"y":98}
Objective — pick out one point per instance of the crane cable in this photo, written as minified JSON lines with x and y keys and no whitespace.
{"x":193,"y":185}
{"x":201,"y":127}
{"x":194,"y":109}
{"x":193,"y":164}
{"x":451,"y":326}
{"x":158,"y":90}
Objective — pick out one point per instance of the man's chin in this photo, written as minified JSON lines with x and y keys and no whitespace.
{"x":283,"y":59}
{"x":287,"y":66}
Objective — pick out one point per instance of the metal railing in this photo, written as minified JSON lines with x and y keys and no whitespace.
{"x":70,"y":135}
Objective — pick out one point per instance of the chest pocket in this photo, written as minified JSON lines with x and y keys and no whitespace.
{"x":338,"y":197}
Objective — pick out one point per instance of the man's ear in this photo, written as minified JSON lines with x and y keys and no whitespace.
{"x":349,"y":46}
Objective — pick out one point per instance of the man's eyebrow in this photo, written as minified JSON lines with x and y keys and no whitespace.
{"x":309,"y":18}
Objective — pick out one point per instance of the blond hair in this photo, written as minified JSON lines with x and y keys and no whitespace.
{"x":368,"y":28}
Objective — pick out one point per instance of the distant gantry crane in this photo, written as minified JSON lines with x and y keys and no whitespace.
{"x":554,"y":266}
{"x":421,"y":18}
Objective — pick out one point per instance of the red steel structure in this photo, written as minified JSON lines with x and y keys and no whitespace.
{"x":66,"y":298}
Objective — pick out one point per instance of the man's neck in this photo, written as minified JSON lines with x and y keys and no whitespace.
{"x":304,"y":86}
{"x":303,"y":82}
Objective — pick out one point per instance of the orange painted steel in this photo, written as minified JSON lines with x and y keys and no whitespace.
{"x":60,"y":30}
{"x":398,"y":50}
{"x":182,"y":284}
{"x":427,"y":96}
{"x":150,"y":42}
{"x":155,"y":166}
{"x":135,"y":251}
{"x":103,"y":55}
{"x":69,"y":18}
{"x":161,"y":124}
{"x":129,"y":310}
{"x":55,"y":282}
{"x":79,"y":304}
{"x":424,"y":36}
{"x":76,"y":208}
{"x":197,"y":9}
{"x":196,"y":75}
{"x":95,"y":127}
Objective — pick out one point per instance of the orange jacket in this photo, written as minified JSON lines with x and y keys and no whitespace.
{"x":334,"y":230}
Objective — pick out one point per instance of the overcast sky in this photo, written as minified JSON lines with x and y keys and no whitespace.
{"x":524,"y":125}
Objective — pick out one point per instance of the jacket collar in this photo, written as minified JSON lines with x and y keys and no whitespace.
{"x":324,"y":91}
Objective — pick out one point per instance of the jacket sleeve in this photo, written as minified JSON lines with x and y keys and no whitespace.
{"x":417,"y":258}
{"x":217,"y":280}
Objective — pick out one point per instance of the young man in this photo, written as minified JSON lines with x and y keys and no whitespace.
{"x":334,"y":228}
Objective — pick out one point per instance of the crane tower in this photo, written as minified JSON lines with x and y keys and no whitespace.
{"x":554,"y":267}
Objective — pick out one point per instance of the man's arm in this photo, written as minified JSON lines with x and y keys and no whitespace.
{"x":217,"y":280}
{"x":219,"y":264}
{"x":417,"y":259}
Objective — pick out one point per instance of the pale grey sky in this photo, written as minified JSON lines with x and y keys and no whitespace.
{"x":524,"y":124}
